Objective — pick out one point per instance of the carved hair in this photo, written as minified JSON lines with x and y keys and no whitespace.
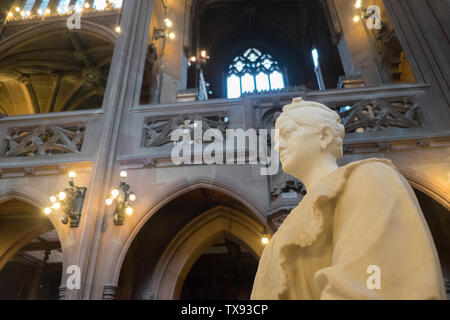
{"x":317,"y":115}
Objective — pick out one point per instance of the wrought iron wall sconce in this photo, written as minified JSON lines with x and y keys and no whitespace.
{"x":70,"y":201}
{"x":122,"y":198}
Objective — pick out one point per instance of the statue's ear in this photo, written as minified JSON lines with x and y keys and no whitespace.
{"x":326,"y":137}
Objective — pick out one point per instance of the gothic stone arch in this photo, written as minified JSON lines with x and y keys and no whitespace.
{"x":187,"y":246}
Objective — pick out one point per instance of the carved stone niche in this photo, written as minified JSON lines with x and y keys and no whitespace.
{"x":158,"y":130}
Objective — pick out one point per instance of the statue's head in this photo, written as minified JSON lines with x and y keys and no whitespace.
{"x":306,"y":132}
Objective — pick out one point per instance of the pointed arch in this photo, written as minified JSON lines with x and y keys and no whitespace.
{"x":189,"y":243}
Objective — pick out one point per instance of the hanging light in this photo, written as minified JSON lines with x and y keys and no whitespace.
{"x":172,"y":35}
{"x":122,"y":203}
{"x":356,"y":18}
{"x":70,"y":200}
{"x":265,"y":237}
{"x":62,"y":195}
{"x":17,"y":9}
{"x":168,"y":22}
{"x":115,"y":193}
{"x":129,"y":211}
{"x":358,"y":4}
{"x":118,"y":29}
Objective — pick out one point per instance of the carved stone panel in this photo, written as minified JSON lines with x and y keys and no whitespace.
{"x":44,"y":140}
{"x":157,"y":131}
{"x":377,"y":114}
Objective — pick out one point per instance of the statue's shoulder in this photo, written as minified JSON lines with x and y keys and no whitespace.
{"x":382,"y":170}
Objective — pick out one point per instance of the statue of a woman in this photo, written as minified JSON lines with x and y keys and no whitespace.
{"x":359,"y":233}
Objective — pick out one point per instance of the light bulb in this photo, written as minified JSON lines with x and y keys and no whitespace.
{"x":172,"y":35}
{"x":265,"y":240}
{"x":132,"y":197}
{"x":123,"y":174}
{"x":47,"y":210}
{"x":48,"y":11}
{"x":62,"y":195}
{"x":40,"y":12}
{"x":72,"y":174}
{"x":22,"y":13}
{"x":86,"y":5}
{"x":358,"y":4}
{"x":168,"y":22}
{"x":118,"y":29}
{"x":356,"y":18}
{"x":115,"y":193}
{"x":53,"y":199}
{"x":17,"y":9}
{"x":203,"y":53}
{"x":10,"y":14}
{"x":56,"y":206}
{"x":27,"y":13}
{"x":193,"y":59}
{"x":108,"y":202}
{"x":129,"y":211}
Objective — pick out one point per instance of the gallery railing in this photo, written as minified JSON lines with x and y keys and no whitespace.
{"x":54,"y":140}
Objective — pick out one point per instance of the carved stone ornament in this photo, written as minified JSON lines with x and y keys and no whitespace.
{"x":44,"y":140}
{"x":158,"y":131}
{"x":376,"y":114}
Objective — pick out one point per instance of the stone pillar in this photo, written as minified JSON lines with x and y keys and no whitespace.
{"x":122,"y":93}
{"x":358,"y":55}
{"x":422,"y":29}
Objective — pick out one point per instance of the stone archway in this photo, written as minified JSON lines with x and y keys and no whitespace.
{"x":31,"y":255}
{"x":180,"y":255}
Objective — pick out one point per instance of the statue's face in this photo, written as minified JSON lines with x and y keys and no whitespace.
{"x":298,"y":146}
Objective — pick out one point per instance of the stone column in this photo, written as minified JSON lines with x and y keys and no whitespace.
{"x":422,"y":29}
{"x":122,"y":93}
{"x":357,"y":53}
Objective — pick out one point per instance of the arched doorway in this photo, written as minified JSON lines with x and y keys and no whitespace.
{"x":225,"y":270}
{"x":174,"y":238}
{"x":30,"y":253}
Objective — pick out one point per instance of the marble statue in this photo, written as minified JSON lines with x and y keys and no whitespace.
{"x":359,"y":232}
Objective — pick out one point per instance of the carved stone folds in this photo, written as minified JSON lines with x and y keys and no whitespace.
{"x":44,"y":140}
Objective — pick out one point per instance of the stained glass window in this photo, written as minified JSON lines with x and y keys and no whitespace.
{"x":63,"y":6}
{"x":29,"y":5}
{"x":253,"y":71}
{"x":43,"y":6}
